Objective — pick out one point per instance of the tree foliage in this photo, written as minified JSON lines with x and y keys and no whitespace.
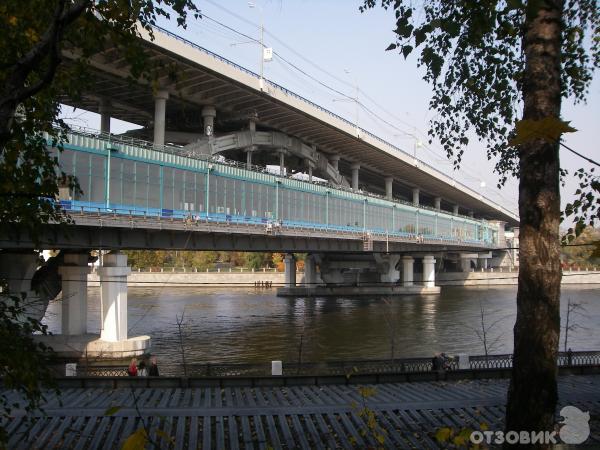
{"x":584,"y":250}
{"x":500,"y":69}
{"x":36,"y":36}
{"x":34,"y":76}
{"x":473,"y":56}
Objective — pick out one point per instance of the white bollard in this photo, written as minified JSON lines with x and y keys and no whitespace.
{"x":71,"y":370}
{"x":276,"y":368}
{"x":463,"y":361}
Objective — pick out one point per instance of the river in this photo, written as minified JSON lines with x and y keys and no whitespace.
{"x":255,"y":326}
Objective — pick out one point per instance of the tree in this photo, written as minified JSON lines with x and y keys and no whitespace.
{"x":33,"y":76}
{"x":485,"y":60}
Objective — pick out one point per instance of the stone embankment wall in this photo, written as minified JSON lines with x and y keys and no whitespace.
{"x":228,"y":279}
{"x":495,"y":278}
{"x":200,"y":279}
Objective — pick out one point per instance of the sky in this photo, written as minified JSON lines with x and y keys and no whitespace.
{"x":334,"y":43}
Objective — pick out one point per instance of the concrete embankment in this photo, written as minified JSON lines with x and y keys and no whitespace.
{"x":200,"y":279}
{"x":497,"y":278}
{"x":277,"y":279}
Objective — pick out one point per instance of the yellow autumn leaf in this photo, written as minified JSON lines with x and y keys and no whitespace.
{"x":380,"y":438}
{"x":12,"y":20}
{"x":459,"y":441}
{"x":137,"y":441}
{"x":443,"y":434}
{"x":31,"y":35}
{"x":163,"y":435}
{"x":548,"y":129}
{"x":483,"y":426}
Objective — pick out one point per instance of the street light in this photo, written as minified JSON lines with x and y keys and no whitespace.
{"x":266,"y":54}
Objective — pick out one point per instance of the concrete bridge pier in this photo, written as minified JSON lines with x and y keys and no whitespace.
{"x":408,"y":264}
{"x":74,"y":306}
{"x":310,"y":271}
{"x":113,"y":284}
{"x":290,"y":270}
{"x":386,"y":266}
{"x":18,"y":269}
{"x":429,"y":271}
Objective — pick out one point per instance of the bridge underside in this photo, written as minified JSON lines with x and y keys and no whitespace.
{"x":123,"y":234}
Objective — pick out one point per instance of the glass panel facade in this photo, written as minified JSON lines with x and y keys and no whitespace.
{"x":142,"y":181}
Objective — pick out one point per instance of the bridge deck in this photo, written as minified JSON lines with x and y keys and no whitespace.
{"x":280,"y":417}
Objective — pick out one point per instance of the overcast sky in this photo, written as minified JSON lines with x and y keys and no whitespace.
{"x":336,"y":44}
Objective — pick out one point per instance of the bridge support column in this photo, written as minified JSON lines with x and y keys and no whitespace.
{"x":18,"y":269}
{"x":104,"y":110}
{"x":437,"y":203}
{"x":386,"y":265}
{"x":290,"y":270}
{"x":334,"y":161}
{"x":249,"y":151}
{"x":429,"y":271}
{"x":389,"y":186}
{"x":455,"y":210}
{"x":113,"y":283}
{"x":467,"y":261}
{"x":471,"y":213}
{"x":310,"y":271}
{"x":310,"y":170}
{"x":407,"y":270}
{"x":355,"y":168}
{"x":415,"y":193}
{"x":281,"y":162}
{"x":74,"y":274}
{"x":160,"y":109}
{"x":208,"y":116}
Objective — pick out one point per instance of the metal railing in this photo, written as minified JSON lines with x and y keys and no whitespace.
{"x":341,"y":368}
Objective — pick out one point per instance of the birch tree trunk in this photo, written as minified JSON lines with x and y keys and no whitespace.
{"x":532,"y":394}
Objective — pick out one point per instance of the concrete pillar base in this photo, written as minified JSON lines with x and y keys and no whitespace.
{"x":91,"y":346}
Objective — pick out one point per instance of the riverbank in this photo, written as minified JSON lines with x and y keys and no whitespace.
{"x":228,"y":279}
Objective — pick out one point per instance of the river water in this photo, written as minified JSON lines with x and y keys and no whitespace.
{"x":255,"y":326}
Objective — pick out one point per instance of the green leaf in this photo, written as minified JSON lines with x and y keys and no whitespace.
{"x":548,"y":129}
{"x":406,"y":50}
{"x":391,"y":47}
{"x":112,"y":410}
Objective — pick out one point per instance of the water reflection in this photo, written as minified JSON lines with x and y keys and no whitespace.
{"x":243,"y":325}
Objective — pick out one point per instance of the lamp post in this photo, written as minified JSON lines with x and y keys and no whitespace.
{"x":262,"y":43}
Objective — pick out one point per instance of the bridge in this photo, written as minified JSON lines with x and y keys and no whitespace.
{"x":196,"y":176}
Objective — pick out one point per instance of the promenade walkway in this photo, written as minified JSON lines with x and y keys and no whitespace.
{"x":306,"y":417}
